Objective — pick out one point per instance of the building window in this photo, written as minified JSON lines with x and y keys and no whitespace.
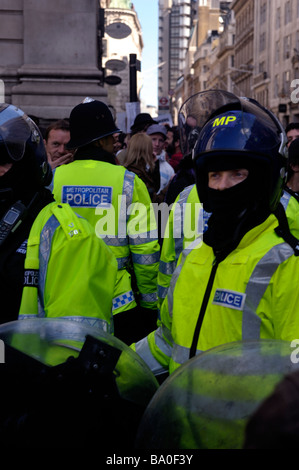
{"x":277,"y":52}
{"x":262,"y":42}
{"x":261,"y":67}
{"x":278,"y":18}
{"x":263,"y":13}
{"x":287,"y":12}
{"x":276,"y":86}
{"x":286,"y":82}
{"x":286,"y":47}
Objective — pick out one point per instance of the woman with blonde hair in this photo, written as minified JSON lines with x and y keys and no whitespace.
{"x":141,"y":161}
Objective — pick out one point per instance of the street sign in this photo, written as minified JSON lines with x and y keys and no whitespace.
{"x":164,"y":101}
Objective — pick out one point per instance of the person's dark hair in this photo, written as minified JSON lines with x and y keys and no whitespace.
{"x":61,"y":124}
{"x":121,"y":139}
{"x":176,"y":133}
{"x":291,"y":126}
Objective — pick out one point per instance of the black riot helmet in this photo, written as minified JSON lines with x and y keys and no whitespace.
{"x":237,"y":133}
{"x":21,"y":144}
{"x":90,"y":120}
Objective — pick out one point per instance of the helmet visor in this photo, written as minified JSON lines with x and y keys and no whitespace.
{"x":15,"y":130}
{"x":195,"y":112}
{"x":226,"y":122}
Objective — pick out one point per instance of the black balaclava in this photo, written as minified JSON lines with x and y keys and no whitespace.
{"x":234,"y":211}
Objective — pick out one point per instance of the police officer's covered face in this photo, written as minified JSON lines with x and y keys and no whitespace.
{"x":221,"y":180}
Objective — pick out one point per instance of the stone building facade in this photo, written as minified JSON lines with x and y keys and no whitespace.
{"x":49,"y":55}
{"x":122,"y":38}
{"x":256,"y":54}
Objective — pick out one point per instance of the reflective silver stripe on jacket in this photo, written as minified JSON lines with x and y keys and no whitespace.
{"x":126,"y":201}
{"x":177,"y":272}
{"x":256,"y":288}
{"x":128,"y":189}
{"x":285,"y":199}
{"x":145,"y":259}
{"x":178,"y":236}
{"x":149,"y":297}
{"x":257,"y":285}
{"x":122,"y":262}
{"x":143,"y":350}
{"x":113,"y":240}
{"x":162,"y":292}
{"x":46,"y":237}
{"x":87,"y":321}
{"x":180,"y":354}
{"x":178,"y":221}
{"x":121,"y":238}
{"x":141,"y":238}
{"x":167,"y":267}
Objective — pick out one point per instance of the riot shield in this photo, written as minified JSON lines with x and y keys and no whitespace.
{"x":206,"y":403}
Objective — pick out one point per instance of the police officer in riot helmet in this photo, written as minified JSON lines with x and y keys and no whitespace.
{"x":59,"y":388}
{"x":256,"y":145}
{"x":24,"y":168}
{"x":247,"y":259}
{"x":38,"y":233}
{"x":24,"y":174}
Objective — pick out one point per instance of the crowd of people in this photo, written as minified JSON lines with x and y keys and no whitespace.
{"x":67,"y":200}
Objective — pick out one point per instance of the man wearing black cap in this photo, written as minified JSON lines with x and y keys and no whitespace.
{"x":105,"y":194}
{"x":141,"y":123}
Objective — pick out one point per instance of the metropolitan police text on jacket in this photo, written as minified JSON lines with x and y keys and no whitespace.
{"x":129,"y":218}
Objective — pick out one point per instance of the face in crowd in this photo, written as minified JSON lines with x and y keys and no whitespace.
{"x":55,"y":147}
{"x":292,"y":135}
{"x":158,"y":143}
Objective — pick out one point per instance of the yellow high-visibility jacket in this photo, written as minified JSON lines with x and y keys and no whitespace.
{"x":186,"y":222}
{"x":252,"y":294}
{"x":182,"y":229}
{"x":117,"y":204}
{"x":69,"y":272}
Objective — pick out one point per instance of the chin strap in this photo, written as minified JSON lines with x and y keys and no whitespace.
{"x":283,"y":229}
